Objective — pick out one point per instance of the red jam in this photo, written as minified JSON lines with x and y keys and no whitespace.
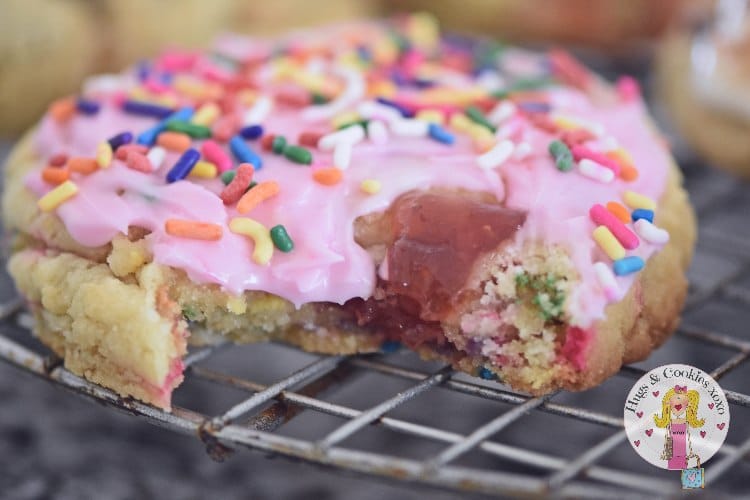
{"x":435,"y":241}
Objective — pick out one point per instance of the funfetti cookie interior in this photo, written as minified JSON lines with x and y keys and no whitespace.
{"x":344,"y":189}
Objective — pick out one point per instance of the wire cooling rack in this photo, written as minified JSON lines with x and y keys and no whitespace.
{"x":494,"y":440}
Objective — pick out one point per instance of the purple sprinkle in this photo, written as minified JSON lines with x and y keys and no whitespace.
{"x":119,"y":140}
{"x":251,"y":132}
{"x":86,"y":107}
{"x":406,"y":113}
{"x":183,"y":166}
{"x":146,"y":109}
{"x":535,"y":107}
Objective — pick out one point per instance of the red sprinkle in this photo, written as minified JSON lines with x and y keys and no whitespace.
{"x":225,"y":127}
{"x":568,"y":69}
{"x":58,"y":160}
{"x":542,"y":121}
{"x":122,"y":152}
{"x":577,"y":137}
{"x":604,"y":217}
{"x":581,"y":152}
{"x":213,"y":152}
{"x":267,"y":142}
{"x":235,"y":189}
{"x":309,"y":139}
{"x":137,"y":161}
{"x":295,"y":97}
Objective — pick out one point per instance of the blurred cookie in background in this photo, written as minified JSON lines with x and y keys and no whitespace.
{"x":703,"y":79}
{"x":614,"y":25}
{"x":46,"y":49}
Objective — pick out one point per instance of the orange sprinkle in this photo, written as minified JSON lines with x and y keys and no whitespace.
{"x":328,"y":176}
{"x":63,"y":109}
{"x":619,"y":211}
{"x":174,"y":141}
{"x":193,"y":229}
{"x":55,"y":175}
{"x":628,"y":172}
{"x":256,"y":195}
{"x":83,"y":165}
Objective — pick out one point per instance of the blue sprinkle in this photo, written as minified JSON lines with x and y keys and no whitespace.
{"x":148,"y":137}
{"x":251,"y":132}
{"x":243,"y":153}
{"x":86,"y":107}
{"x":401,"y":109}
{"x":364,"y":53}
{"x":628,"y":265}
{"x":166,"y":78}
{"x":119,"y":140}
{"x":390,"y":346}
{"x":486,"y":374}
{"x":146,"y":109}
{"x":183,"y":166}
{"x":423,"y":83}
{"x":642,"y":213}
{"x":440,"y":134}
{"x":535,"y":107}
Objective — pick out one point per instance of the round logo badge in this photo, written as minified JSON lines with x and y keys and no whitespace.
{"x":676,"y":417}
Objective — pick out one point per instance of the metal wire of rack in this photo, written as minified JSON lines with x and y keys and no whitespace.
{"x":258,"y":421}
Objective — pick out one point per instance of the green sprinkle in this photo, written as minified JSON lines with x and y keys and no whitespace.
{"x":298,"y":154}
{"x":522,"y":85}
{"x":362,"y":123}
{"x":228,"y":176}
{"x":278,"y":144}
{"x":191,"y":129}
{"x":476,"y":115}
{"x":281,"y":238}
{"x":319,"y":98}
{"x":189,"y":313}
{"x":562,"y":155}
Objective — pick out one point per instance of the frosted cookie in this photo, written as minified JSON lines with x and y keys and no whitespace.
{"x":348,"y":190}
{"x":704,"y":80}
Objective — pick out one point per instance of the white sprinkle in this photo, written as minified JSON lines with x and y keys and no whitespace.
{"x":609,"y":143}
{"x":650,"y":232}
{"x":351,"y":135}
{"x":595,"y":171}
{"x":156,"y":157}
{"x":502,"y":112}
{"x":342,"y":155}
{"x":377,"y":132}
{"x":374,"y":110}
{"x":354,"y":90}
{"x":496,"y":156}
{"x":607,"y":281}
{"x":260,"y":110}
{"x":490,"y":80}
{"x":410,"y":128}
{"x":522,"y":151}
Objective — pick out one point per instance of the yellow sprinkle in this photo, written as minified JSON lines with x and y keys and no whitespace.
{"x":195,"y":89}
{"x":565,"y":123}
{"x":370,"y":186}
{"x":431,"y":116}
{"x":57,"y":196}
{"x":247,"y":97}
{"x":207,"y":114}
{"x":383,"y":88}
{"x":260,"y":235}
{"x":344,"y":118}
{"x":461,"y":122}
{"x":384,"y":52}
{"x":203,"y":170}
{"x":635,"y":200}
{"x":607,"y":241}
{"x":104,"y":155}
{"x":423,"y":30}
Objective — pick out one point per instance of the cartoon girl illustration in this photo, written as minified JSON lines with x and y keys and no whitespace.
{"x":679,"y":412}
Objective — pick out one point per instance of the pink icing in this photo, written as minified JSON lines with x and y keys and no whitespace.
{"x":327,"y":264}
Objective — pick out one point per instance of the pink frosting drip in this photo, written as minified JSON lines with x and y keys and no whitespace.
{"x":327,"y":264}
